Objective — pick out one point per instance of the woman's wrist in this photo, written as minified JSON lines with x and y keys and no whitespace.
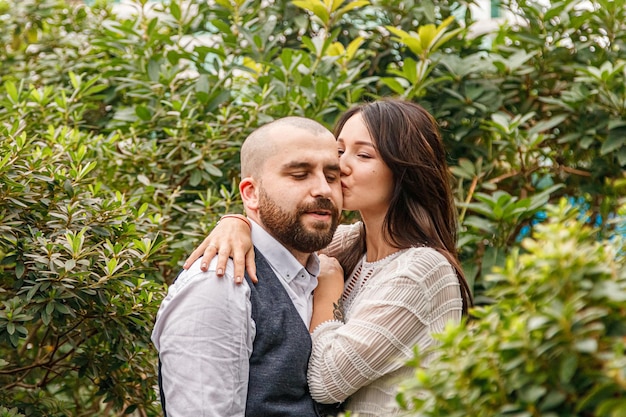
{"x":237,"y":216}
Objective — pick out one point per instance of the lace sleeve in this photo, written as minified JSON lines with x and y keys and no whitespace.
{"x":344,"y":235}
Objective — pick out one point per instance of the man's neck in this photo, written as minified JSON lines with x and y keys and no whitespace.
{"x":302,"y":257}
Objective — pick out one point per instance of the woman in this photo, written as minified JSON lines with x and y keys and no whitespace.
{"x":405,"y":281}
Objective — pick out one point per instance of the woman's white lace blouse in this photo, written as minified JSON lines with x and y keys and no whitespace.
{"x":389,"y":306}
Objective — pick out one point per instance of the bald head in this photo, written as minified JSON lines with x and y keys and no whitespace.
{"x":263,"y":142}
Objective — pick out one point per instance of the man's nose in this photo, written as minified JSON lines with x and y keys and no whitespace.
{"x":321,"y":187}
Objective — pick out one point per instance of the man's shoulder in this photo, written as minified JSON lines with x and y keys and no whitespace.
{"x":202,"y":299}
{"x":194,"y":279}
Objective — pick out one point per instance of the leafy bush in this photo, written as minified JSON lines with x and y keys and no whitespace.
{"x":553,"y":342}
{"x":78,"y":278}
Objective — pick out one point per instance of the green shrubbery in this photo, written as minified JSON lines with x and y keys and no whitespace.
{"x":119,"y":139}
{"x":78,"y":278}
{"x":553,"y":344}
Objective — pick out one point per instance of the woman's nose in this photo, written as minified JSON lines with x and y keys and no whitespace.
{"x":344,"y":166}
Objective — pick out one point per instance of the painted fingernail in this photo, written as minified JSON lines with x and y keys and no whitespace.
{"x":203,"y":266}
{"x":220,"y":271}
{"x":238,"y":280}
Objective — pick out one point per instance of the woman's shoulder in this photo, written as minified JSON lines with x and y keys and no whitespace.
{"x":419,"y":273}
{"x":418,"y":261}
{"x":424,"y":252}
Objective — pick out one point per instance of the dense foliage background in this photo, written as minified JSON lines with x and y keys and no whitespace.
{"x":119,"y":139}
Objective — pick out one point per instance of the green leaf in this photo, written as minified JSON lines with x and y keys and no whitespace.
{"x":45,"y":318}
{"x":314,"y":6}
{"x":615,"y":140}
{"x":552,"y":401}
{"x":175,"y":10}
{"x":544,"y":125}
{"x":143,"y":113}
{"x":70,"y":264}
{"x":353,"y":47}
{"x":586,"y":345}
{"x":595,"y":395}
{"x":531,"y":394}
{"x":61,"y":308}
{"x":394,"y":84}
{"x":569,"y":365}
{"x":143,"y":179}
{"x":212,"y":169}
{"x":351,"y":6}
{"x":11,"y":91}
{"x":69,"y":188}
{"x":154,"y":70}
{"x":621,"y":156}
{"x":32,"y":291}
{"x":480,"y":223}
{"x":540,"y":199}
{"x":19,"y":270}
{"x":112,"y":266}
{"x":196,"y":178}
{"x":75,"y":80}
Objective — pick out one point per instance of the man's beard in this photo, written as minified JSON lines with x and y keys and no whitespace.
{"x":288,"y":229}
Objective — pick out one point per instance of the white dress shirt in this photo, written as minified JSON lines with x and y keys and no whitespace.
{"x":204,"y":331}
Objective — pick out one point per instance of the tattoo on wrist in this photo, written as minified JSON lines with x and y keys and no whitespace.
{"x":338,"y":310}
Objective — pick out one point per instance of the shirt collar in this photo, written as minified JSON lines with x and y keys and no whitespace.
{"x":279,"y":257}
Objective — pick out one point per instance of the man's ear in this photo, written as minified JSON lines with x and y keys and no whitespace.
{"x":248,"y":189}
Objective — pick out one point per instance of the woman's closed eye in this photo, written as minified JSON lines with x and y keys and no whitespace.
{"x":359,"y":155}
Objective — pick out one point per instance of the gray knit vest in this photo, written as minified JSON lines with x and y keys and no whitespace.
{"x":277,"y":385}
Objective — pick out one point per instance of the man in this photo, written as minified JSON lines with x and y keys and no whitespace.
{"x":235,"y":350}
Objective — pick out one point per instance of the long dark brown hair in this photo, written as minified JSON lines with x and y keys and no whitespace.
{"x":422,"y":210}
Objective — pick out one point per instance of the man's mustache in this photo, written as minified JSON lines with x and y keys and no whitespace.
{"x":320,"y":204}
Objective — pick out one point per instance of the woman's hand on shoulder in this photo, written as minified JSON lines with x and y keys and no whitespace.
{"x":229,"y":239}
{"x":331,"y":272}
